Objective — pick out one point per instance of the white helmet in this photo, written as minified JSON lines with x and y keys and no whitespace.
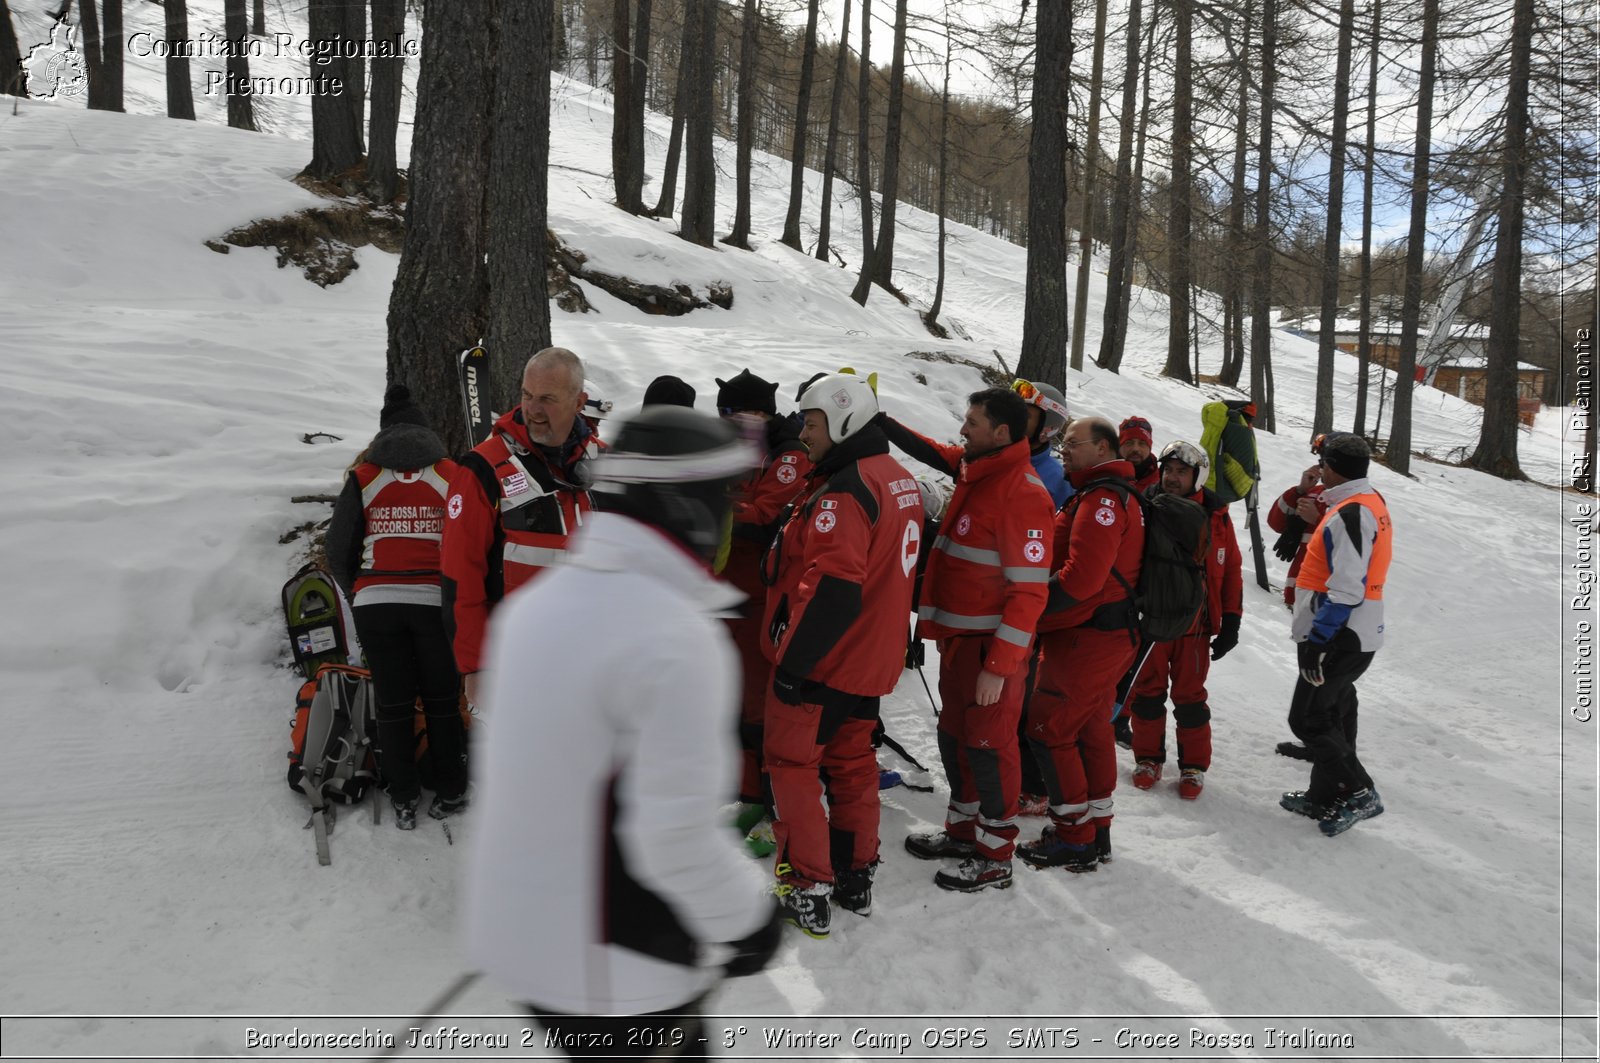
{"x":1189,"y":454}
{"x":596,"y":407}
{"x":935,"y":496}
{"x":848,"y":402}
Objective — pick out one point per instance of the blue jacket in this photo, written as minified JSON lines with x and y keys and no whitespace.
{"x":1048,"y":468}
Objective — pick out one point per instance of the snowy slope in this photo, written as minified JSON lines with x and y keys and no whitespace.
{"x":153,"y":396}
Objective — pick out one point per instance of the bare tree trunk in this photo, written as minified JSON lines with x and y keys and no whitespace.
{"x":1179,"y":271}
{"x":864,"y":151}
{"x":638,"y":87}
{"x":932,"y":316}
{"x":622,"y":72}
{"x":680,"y":104}
{"x":180,"y":92}
{"x":1497,"y":440}
{"x":1322,"y":416}
{"x":1091,"y":156}
{"x":236,"y":27}
{"x":1043,"y":358}
{"x":439,"y":303}
{"x":111,"y":54}
{"x":1261,"y":294}
{"x":335,"y":135}
{"x":1399,"y":449}
{"x":1121,"y":202}
{"x":1364,"y":344}
{"x":802,"y":116}
{"x":1233,"y":278}
{"x":388,"y":26}
{"x":830,"y":153}
{"x":883,"y":250}
{"x":698,"y":224}
{"x":746,"y":133}
{"x":519,"y":301}
{"x":258,"y":20}
{"x":1136,"y":214}
{"x":355,"y":86}
{"x":89,"y":20}
{"x":11,"y":57}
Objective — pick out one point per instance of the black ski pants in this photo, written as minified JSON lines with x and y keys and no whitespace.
{"x":410,"y":658}
{"x":1324,"y":718}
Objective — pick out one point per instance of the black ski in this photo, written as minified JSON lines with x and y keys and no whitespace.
{"x":1258,"y":549}
{"x":474,"y":370}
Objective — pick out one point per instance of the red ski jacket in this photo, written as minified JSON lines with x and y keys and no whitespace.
{"x":989,"y":569}
{"x":758,"y":505}
{"x":507,"y":518}
{"x":842,"y":568}
{"x":1277,"y":519}
{"x":1099,"y":529}
{"x":403,"y":514}
{"x":1224,"y":577}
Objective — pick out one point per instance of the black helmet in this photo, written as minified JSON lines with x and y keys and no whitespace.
{"x":671,"y":468}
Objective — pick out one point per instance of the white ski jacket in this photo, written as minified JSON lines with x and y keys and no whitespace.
{"x":601,"y":872}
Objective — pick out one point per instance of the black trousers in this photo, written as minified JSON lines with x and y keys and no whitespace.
{"x":1324,"y":718}
{"x":678,"y":1033}
{"x":410,"y":658}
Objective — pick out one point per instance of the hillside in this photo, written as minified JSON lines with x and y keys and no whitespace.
{"x":156,"y":395}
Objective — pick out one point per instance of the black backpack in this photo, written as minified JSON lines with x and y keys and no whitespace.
{"x":1172,"y":578}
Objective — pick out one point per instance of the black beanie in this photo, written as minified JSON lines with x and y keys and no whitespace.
{"x":747,"y":392}
{"x":669,"y":391}
{"x":1346,"y":454}
{"x":399,"y":409}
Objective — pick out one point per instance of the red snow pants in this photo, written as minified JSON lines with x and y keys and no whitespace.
{"x":1069,"y":724}
{"x":754,"y":667}
{"x":978,"y":745}
{"x":1182,"y":664}
{"x":824,"y":775}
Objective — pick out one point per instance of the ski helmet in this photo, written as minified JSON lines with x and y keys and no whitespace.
{"x":1189,"y":454}
{"x":672,"y":468}
{"x":1050,"y":401}
{"x":847,"y":401}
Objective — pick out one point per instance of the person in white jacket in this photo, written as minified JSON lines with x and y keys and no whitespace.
{"x":603,"y":882}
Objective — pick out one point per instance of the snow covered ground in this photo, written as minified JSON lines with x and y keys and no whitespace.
{"x":153,"y":399}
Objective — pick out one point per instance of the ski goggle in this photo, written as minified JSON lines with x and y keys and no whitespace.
{"x":1187,"y":453}
{"x":1030,"y":394}
{"x":1316,"y":444}
{"x":598,"y":407}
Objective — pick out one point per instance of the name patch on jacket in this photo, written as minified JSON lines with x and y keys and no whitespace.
{"x":405,"y":520}
{"x":514,"y":484}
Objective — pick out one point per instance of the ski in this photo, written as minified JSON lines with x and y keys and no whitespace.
{"x":474,"y":371}
{"x":1258,"y":549}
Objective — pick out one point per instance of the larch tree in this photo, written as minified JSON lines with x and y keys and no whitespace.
{"x":439,"y":303}
{"x":666,"y":202}
{"x":831,"y":150}
{"x":802,"y":119}
{"x":1369,"y":152}
{"x":1180,"y":275}
{"x":864,"y":149}
{"x":335,"y":129}
{"x":180,"y":92}
{"x":1398,"y":451}
{"x":383,"y":176}
{"x":236,"y":27}
{"x":745,"y":133}
{"x":1261,"y":277}
{"x":1123,"y":194}
{"x":883,"y":249}
{"x":698,"y":223}
{"x":1322,"y":415}
{"x":1043,"y":358}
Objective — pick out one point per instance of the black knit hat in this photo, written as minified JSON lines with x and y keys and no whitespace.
{"x":399,"y":409}
{"x":669,"y":391}
{"x":1346,"y":454}
{"x":747,"y":392}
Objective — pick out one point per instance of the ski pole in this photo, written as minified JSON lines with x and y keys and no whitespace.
{"x":1125,"y":687}
{"x":931,"y":699}
{"x":889,"y":741}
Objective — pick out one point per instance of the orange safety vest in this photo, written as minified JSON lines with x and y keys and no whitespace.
{"x":1313,"y":575}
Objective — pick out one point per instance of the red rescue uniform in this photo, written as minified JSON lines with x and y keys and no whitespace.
{"x":1086,"y":648}
{"x":1184,"y":663}
{"x":837,"y":616}
{"x":510,"y":510}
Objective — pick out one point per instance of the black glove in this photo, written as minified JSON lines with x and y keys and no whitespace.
{"x":1311,"y":655}
{"x":790,"y":688}
{"x":1288,"y":544}
{"x":752,"y":952}
{"x":916,"y":653}
{"x":1227,"y":638}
